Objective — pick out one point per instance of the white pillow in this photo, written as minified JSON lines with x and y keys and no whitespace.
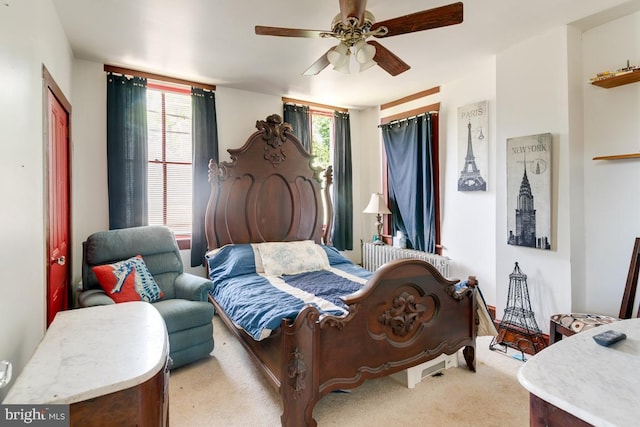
{"x":257,"y":257}
{"x":280,"y":258}
{"x":212,"y":253}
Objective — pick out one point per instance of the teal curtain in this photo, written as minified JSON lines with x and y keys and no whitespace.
{"x":127,"y":150}
{"x":299,"y":117}
{"x":205,"y":147}
{"x":342,"y":236}
{"x":409,"y":147}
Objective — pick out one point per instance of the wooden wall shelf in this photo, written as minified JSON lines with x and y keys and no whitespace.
{"x":619,"y":157}
{"x":619,"y":80}
{"x":614,"y":81}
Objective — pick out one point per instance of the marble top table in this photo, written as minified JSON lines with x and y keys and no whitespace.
{"x":90,"y":352}
{"x":599,"y":385}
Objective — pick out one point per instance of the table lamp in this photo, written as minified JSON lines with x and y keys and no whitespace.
{"x":377,"y":206}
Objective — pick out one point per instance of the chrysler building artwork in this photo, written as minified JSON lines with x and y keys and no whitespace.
{"x":529,"y":191}
{"x":472,"y":146}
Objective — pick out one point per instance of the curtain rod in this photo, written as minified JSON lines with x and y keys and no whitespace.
{"x":432,"y":108}
{"x":406,"y":119}
{"x":312,"y":104}
{"x":152,"y":76}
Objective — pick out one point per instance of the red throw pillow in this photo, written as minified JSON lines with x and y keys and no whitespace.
{"x":128,"y":280}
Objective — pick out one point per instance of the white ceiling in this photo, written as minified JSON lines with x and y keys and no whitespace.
{"x":213,"y":41}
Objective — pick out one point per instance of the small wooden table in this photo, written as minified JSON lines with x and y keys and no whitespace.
{"x":109,"y":363}
{"x":576,"y":382}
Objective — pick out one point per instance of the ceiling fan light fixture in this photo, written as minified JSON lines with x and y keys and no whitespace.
{"x":355,"y":24}
{"x":343,"y":68}
{"x":339,"y":55}
{"x":338,"y":60}
{"x":364,"y":52}
{"x":366,"y":65}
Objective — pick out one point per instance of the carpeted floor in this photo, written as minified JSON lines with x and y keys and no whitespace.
{"x":227,"y":390}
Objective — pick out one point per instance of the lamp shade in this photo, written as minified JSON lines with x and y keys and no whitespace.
{"x":377,"y":205}
{"x":344,"y":68}
{"x":366,"y":65}
{"x":339,"y":55}
{"x":364,"y":52}
{"x":364,"y":55}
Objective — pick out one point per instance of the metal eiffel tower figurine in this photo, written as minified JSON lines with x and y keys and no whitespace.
{"x":470,"y":178}
{"x":518,"y":328}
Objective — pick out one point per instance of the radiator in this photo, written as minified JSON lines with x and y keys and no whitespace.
{"x":373,"y":256}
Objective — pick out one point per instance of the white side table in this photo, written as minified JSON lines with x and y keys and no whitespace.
{"x":98,"y":358}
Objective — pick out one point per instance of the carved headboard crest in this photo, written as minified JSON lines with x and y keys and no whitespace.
{"x":214,"y":172}
{"x":268,"y":192}
{"x":275,"y":134}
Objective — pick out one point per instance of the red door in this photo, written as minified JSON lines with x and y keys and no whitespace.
{"x":58,"y":288}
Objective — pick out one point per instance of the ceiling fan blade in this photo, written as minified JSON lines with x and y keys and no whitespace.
{"x":355,"y":8}
{"x":427,"y":19}
{"x":288,"y":32}
{"x":388,"y":61}
{"x":319,"y":65}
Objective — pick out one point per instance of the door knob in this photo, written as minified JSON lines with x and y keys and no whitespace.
{"x":61,"y":261}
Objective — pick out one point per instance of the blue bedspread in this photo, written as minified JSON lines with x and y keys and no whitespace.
{"x":323,"y":284}
{"x":257,"y":303}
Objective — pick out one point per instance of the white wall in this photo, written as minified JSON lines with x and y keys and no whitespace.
{"x":575,"y":165}
{"x":612,"y":196}
{"x":542,"y":87}
{"x":468,"y":218}
{"x":30,"y":36}
{"x":366,"y":149}
{"x":237,"y":112}
{"x":90,"y":203}
{"x":532,"y":98}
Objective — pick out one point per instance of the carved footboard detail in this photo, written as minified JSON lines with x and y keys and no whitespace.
{"x":297,"y":373}
{"x":299,"y":390}
{"x":408,"y":314}
{"x":404,"y":315}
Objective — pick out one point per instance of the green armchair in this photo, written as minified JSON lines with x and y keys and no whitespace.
{"x":184,"y":306}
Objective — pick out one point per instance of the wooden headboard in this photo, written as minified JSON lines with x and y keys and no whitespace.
{"x":268,"y":192}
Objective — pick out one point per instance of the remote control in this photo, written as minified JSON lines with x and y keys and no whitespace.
{"x":609,"y":337}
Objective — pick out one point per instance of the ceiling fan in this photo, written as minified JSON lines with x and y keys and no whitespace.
{"x":354,"y":24}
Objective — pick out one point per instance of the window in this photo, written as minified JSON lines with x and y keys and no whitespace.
{"x":170,"y":158}
{"x":435,"y":184}
{"x":325,"y":132}
{"x":321,"y":135}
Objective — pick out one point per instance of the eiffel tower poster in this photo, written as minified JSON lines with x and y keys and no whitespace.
{"x":473,"y":121}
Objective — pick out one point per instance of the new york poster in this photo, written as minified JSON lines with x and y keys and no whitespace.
{"x":529,"y":191}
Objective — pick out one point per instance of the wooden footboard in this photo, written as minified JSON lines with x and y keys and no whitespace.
{"x":405,"y":315}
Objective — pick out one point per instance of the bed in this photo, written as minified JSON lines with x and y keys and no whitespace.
{"x":266,"y":207}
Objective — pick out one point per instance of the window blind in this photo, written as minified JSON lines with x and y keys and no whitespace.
{"x":169,"y":119}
